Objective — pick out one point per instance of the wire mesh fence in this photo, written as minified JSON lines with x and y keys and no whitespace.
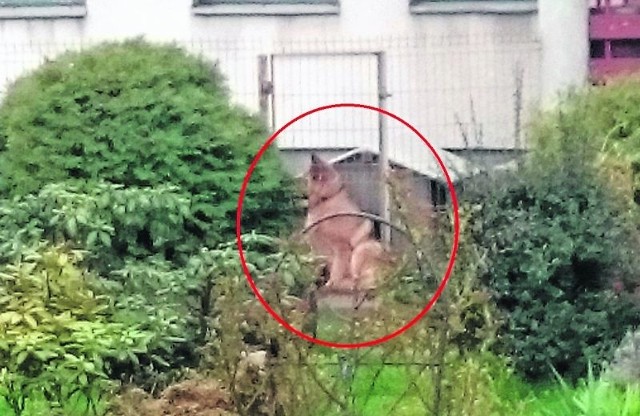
{"x":470,"y":96}
{"x":438,"y":84}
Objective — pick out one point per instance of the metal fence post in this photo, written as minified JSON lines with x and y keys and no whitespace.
{"x":265,"y":88}
{"x":383,"y":146}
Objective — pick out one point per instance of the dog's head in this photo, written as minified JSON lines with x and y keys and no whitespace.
{"x":323,"y":180}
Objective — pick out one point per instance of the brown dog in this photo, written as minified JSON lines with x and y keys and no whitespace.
{"x":352,"y":254}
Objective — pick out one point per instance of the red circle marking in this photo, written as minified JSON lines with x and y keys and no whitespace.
{"x":454,"y":246}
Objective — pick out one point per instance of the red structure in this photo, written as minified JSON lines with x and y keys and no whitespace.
{"x":614,"y":33}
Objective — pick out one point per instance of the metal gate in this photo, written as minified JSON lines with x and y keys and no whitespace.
{"x":294,"y":83}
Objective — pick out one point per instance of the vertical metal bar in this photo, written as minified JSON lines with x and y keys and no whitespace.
{"x":517,"y":96}
{"x":265,"y":88}
{"x":273,"y":95}
{"x":383,"y":146}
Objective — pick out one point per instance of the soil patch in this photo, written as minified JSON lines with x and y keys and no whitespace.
{"x":187,"y":398}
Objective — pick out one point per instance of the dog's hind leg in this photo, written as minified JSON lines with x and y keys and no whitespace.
{"x":366,"y":260}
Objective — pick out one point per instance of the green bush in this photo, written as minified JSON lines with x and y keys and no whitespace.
{"x":68,"y":334}
{"x":146,"y":290}
{"x":601,"y":123}
{"x":164,"y":301}
{"x":141,"y":115}
{"x":556,"y":242}
{"x":560,"y":235}
{"x":114,"y":224}
{"x":58,"y":345}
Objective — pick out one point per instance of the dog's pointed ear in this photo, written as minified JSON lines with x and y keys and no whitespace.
{"x":321,"y":168}
{"x":319,"y":162}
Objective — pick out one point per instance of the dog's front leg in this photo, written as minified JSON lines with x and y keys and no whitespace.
{"x":339,"y":269}
{"x":362,"y":233}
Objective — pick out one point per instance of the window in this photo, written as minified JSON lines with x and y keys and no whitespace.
{"x":473,"y":6}
{"x":596,"y":49}
{"x":25,"y":9}
{"x":625,"y":48}
{"x":34,"y":3}
{"x":266,"y":7}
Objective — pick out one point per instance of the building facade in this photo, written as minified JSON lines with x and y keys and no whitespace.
{"x":464,"y":73}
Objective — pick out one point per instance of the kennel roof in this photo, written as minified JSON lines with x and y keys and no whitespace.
{"x":423,"y":163}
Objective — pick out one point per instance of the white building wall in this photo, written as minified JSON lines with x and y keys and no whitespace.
{"x":564,"y":34}
{"x":437,"y":63}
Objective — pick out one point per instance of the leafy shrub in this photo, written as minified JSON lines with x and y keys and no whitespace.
{"x":56,"y":342}
{"x":114,"y":224}
{"x":141,"y":115}
{"x":146,"y":290}
{"x":556,"y":241}
{"x":559,"y":235}
{"x":161,"y":300}
{"x":63,"y":339}
{"x":602,"y":124}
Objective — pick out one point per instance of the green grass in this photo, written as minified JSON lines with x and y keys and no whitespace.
{"x":391,"y":393}
{"x":479,"y":387}
{"x":382,"y":390}
{"x":348,"y":326}
{"x":590,"y":397}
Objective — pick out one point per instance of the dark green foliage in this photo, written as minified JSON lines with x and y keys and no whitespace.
{"x":141,"y":116}
{"x":155,"y":297}
{"x":113,"y":223}
{"x":132,"y":154}
{"x":147,"y":291}
{"x":556,"y":244}
{"x":560,"y":237}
